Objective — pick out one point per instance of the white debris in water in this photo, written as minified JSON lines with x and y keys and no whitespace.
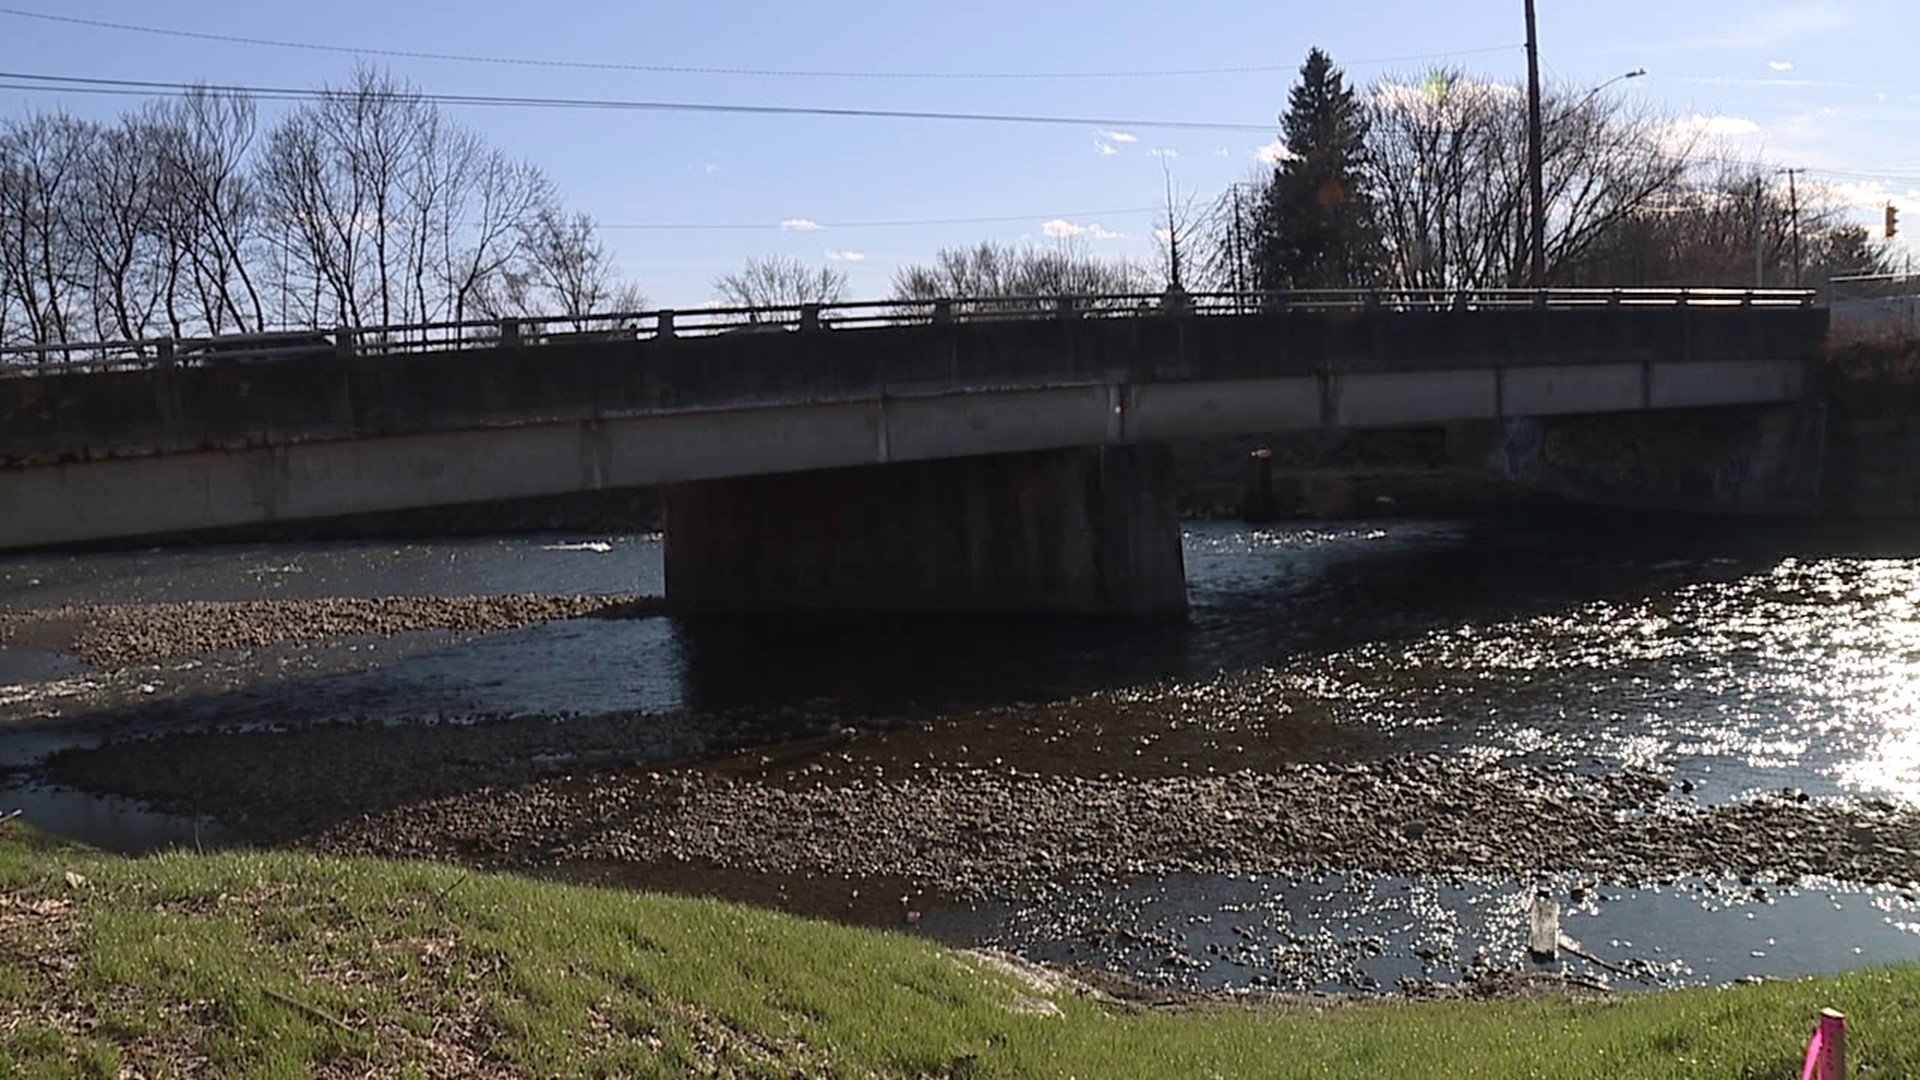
{"x":600,"y":546}
{"x":28,"y":692}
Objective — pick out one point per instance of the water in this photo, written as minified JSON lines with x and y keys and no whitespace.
{"x":1732,"y":657}
{"x":1332,"y":933}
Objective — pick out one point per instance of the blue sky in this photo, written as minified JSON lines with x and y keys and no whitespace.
{"x":1829,"y":85}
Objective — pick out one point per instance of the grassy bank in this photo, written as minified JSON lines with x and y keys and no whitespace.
{"x":286,"y":965}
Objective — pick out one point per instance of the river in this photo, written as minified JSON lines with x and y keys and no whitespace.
{"x":1729,"y":658}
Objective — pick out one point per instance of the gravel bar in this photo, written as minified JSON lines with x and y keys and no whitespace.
{"x":114,"y":634}
{"x":1007,"y":835}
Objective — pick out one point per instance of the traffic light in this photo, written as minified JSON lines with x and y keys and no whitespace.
{"x":1893,"y":222}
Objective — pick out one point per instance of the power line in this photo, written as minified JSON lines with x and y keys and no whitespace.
{"x":88,"y":85}
{"x":812,"y":226}
{"x":673,"y":69}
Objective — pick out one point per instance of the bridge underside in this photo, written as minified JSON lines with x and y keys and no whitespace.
{"x":1090,"y":531}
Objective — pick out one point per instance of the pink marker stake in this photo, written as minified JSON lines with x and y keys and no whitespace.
{"x":1827,"y":1053}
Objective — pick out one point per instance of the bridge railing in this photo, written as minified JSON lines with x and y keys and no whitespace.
{"x":538,"y":331}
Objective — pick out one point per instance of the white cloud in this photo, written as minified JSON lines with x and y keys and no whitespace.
{"x":712,"y":168}
{"x":1715,"y":128}
{"x":1443,"y":101}
{"x":801,"y":224}
{"x":846,"y":256}
{"x":1871,"y":197}
{"x":1104,"y":149}
{"x":1120,"y":136}
{"x":1274,"y":153}
{"x":1062,"y":229}
{"x":1163,"y":152}
{"x":1722,"y":126}
{"x":1780,"y":65}
{"x":1223,"y":152}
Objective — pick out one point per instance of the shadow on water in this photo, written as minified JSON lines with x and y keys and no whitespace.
{"x":1258,"y":599}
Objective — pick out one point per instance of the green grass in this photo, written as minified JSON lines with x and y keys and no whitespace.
{"x":285,"y":965}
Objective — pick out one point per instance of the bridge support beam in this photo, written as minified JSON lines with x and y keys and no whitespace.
{"x":1090,"y":531}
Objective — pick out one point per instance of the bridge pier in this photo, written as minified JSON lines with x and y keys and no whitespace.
{"x":1091,"y":531}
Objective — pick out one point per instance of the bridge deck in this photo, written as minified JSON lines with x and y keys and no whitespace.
{"x":163,"y":448}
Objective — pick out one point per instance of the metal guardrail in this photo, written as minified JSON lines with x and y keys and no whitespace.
{"x":525,"y":332}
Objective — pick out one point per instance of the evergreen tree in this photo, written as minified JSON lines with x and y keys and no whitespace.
{"x":1316,"y":228}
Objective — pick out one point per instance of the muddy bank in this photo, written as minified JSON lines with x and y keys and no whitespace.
{"x":115,"y":634}
{"x":1004,"y":834}
{"x":277,"y":786}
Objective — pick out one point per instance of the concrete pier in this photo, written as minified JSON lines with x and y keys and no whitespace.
{"x":1087,"y":530}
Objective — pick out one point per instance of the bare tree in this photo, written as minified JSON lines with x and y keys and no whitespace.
{"x":211,"y":203}
{"x":1713,"y":231}
{"x":781,"y":281}
{"x":564,"y":269}
{"x":1182,"y":224}
{"x":366,"y":206}
{"x":355,"y":176}
{"x":1450,"y":177}
{"x":501,"y":203}
{"x":1224,"y":249}
{"x":991,"y":270}
{"x":312,"y":196}
{"x":118,"y":225}
{"x":42,"y":160}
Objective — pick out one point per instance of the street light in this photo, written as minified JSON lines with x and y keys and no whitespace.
{"x":1595,"y":92}
{"x":1536,"y":166}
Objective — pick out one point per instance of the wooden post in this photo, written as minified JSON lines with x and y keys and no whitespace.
{"x":1833,"y":1046}
{"x":1544,"y":940}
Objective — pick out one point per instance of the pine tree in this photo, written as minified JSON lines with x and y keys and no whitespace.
{"x":1316,"y":227}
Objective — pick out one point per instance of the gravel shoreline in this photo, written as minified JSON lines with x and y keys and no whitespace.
{"x":107,"y":635}
{"x":1006,"y":835}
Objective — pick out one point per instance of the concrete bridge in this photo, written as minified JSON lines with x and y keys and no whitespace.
{"x":954,"y":455}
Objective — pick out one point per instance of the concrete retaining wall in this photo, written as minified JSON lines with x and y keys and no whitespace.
{"x":1874,"y":436}
{"x":1762,"y":460}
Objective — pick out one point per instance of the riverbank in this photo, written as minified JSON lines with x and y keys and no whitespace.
{"x":1352,"y":768}
{"x":902,"y":808}
{"x":297,"y":965}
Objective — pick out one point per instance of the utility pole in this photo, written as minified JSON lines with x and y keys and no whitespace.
{"x":1759,"y":263}
{"x":1233,"y":245}
{"x":1793,"y":201}
{"x":1536,"y":168}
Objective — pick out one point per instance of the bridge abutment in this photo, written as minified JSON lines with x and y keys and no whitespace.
{"x":1092,"y":531}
